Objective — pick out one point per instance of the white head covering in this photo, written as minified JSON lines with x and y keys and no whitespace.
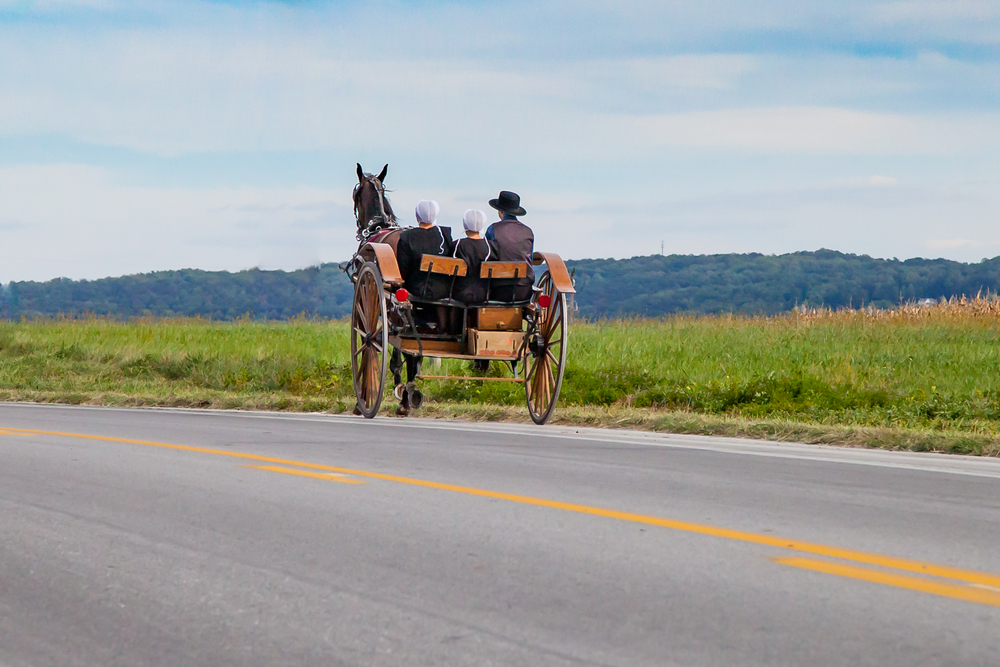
{"x":427,"y":211}
{"x":474,"y":221}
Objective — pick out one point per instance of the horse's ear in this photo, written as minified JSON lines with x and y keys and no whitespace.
{"x":361,"y":174}
{"x":385,"y":170}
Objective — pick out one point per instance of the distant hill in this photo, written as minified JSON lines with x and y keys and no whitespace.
{"x":769,"y":284}
{"x":221,"y":295}
{"x":654,"y":285}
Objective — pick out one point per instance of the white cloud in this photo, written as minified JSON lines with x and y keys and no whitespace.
{"x":824,"y":130}
{"x":170,"y":94}
{"x":74,"y":221}
{"x":225,"y":83}
{"x":903,"y":221}
{"x":619,"y":127}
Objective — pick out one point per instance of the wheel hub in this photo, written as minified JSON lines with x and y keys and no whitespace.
{"x":537,"y":345}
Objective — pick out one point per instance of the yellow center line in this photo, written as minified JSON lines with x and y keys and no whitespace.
{"x":972,"y":593}
{"x":331,"y":476}
{"x":4,"y":431}
{"x":879,"y":560}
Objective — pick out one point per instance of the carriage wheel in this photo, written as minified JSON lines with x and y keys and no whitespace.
{"x":545,"y":354}
{"x":369,"y":340}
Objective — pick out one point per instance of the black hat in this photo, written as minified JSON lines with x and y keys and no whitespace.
{"x":508,"y":202}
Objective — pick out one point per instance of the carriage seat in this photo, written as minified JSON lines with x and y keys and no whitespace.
{"x":506,"y":273}
{"x":431,"y":282}
{"x":449,"y":266}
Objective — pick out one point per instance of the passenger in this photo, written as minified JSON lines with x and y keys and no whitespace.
{"x":414,"y":243}
{"x":513,"y":242}
{"x":475,"y":250}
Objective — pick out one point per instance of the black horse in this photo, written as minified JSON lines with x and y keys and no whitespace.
{"x":371,"y":207}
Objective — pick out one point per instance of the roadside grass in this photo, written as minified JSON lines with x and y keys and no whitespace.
{"x":925,"y":379}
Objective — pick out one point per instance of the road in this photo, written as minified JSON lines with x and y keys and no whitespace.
{"x":159,"y":537}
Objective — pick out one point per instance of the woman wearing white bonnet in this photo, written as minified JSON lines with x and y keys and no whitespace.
{"x":427,"y":212}
{"x":414,"y":243}
{"x":474,"y":221}
{"x":475,"y":250}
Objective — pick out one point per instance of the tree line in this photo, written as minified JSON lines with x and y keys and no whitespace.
{"x":651,"y":285}
{"x":769,"y":284}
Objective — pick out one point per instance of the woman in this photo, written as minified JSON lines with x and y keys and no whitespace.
{"x":425,"y":239}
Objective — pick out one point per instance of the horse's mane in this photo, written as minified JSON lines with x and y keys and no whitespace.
{"x":388,"y":206}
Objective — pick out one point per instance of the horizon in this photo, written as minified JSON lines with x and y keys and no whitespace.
{"x":137,"y":136}
{"x":582,"y":259}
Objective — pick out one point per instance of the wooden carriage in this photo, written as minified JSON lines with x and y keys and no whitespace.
{"x":530,"y":337}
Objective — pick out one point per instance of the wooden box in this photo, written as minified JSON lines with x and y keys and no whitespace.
{"x":504,"y":344}
{"x":498,"y":319}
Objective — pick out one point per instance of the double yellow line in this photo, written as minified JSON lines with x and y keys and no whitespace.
{"x":943,"y":580}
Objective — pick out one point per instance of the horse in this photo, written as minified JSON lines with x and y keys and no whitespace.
{"x":375,"y":218}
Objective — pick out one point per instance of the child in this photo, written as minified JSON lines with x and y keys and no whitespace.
{"x":475,"y":250}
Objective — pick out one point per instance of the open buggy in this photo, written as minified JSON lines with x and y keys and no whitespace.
{"x":391,"y":330}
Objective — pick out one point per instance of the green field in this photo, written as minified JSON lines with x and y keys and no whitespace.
{"x":917,"y":378}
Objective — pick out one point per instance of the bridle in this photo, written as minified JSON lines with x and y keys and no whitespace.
{"x":380,"y":220}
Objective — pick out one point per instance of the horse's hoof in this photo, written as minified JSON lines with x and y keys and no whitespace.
{"x":402,"y":410}
{"x":357,"y":411}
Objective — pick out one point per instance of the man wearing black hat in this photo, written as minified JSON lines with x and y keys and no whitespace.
{"x":514,"y":242}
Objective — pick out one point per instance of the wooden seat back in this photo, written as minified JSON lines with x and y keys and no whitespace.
{"x":503,"y":270}
{"x":448,"y":266}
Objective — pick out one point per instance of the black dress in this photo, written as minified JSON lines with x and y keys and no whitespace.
{"x":472,"y":289}
{"x":413,"y":244}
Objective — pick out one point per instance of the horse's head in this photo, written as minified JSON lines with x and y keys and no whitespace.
{"x":371,"y":207}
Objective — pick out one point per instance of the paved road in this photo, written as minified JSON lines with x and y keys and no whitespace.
{"x":152,"y":537}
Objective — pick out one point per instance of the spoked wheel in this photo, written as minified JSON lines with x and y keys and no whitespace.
{"x":545,"y":353}
{"x":369,"y":340}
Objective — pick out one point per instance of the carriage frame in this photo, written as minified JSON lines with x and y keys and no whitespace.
{"x":532,"y":335}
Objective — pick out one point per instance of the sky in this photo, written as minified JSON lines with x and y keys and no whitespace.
{"x":149,"y":135}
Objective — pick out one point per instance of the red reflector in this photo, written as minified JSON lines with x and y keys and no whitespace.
{"x":402,"y":294}
{"x":544,"y":300}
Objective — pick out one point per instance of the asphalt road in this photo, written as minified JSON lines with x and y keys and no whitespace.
{"x":155,"y":537}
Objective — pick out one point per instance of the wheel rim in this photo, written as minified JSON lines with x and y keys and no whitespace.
{"x":369,"y":340}
{"x":543,"y":370}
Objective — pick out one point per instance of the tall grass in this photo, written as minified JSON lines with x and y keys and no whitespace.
{"x":930,"y":368}
{"x":178,"y":362}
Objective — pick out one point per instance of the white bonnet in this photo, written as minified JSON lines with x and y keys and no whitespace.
{"x":427,"y":211}
{"x":474,"y":221}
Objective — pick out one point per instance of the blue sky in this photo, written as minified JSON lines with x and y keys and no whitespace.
{"x":137,"y":136}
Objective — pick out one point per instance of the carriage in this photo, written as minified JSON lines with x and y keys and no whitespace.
{"x":528,"y":338}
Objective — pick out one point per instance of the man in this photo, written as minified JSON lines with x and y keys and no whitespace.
{"x":426,"y":239}
{"x":514,"y":242}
